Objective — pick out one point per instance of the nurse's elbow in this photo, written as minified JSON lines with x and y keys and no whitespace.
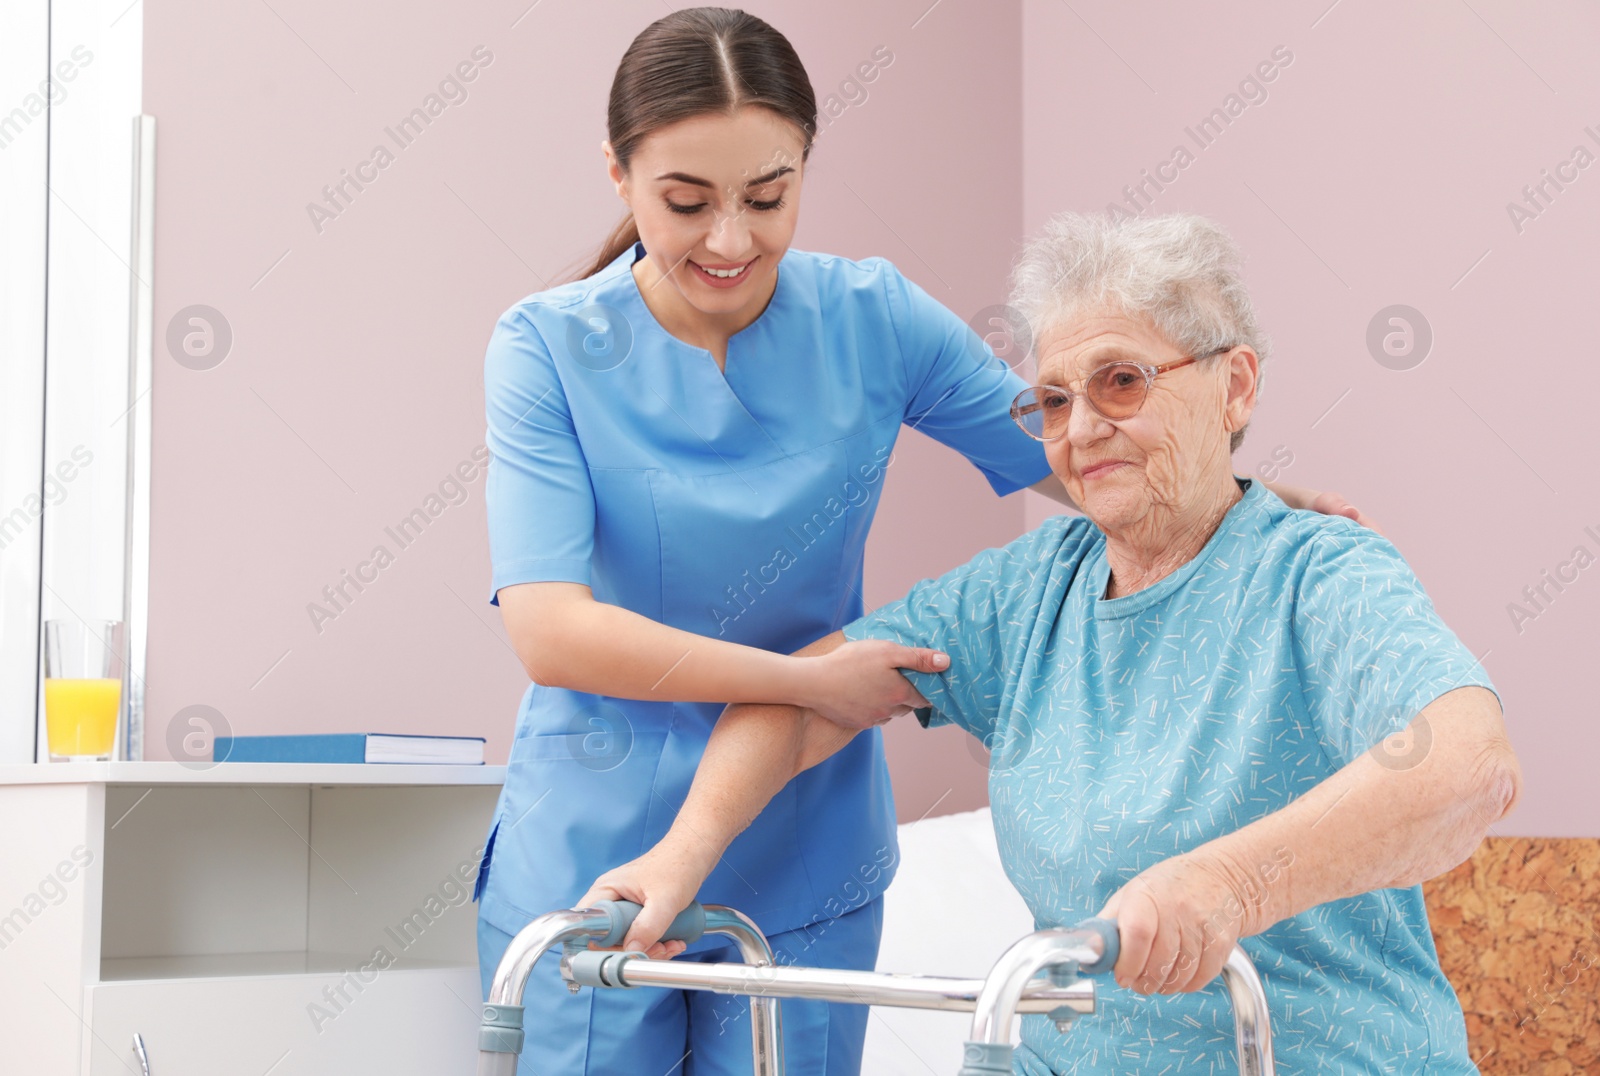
{"x":539,"y":621}
{"x":540,"y":675}
{"x":542,"y":659}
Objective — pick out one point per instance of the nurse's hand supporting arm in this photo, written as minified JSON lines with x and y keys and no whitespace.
{"x":754,"y":751}
{"x":565,"y":638}
{"x":1379,"y":822}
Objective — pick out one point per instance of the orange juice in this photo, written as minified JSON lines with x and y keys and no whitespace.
{"x":81,"y":715}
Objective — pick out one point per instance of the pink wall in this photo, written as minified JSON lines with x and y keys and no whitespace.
{"x":354,"y":383}
{"x":1376,"y":172}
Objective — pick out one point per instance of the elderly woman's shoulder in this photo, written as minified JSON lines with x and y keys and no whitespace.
{"x":1312,"y":537}
{"x":1063,"y":537}
{"x":1058,"y":540}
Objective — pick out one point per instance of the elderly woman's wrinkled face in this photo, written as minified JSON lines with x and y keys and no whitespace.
{"x":1152,"y":468}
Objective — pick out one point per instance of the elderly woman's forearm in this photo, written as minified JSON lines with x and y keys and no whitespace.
{"x":1373,"y":825}
{"x":754,"y":751}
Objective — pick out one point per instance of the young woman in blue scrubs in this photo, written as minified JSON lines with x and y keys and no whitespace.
{"x":688,"y":447}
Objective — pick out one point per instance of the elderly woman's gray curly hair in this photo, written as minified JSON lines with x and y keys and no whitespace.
{"x":1179,"y":272}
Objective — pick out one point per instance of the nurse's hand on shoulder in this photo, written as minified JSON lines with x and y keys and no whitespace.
{"x":1326,"y":502}
{"x":1334,"y":504}
{"x":661,"y":880}
{"x":859,"y":684}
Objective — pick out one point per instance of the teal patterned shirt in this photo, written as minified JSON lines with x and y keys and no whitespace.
{"x":1125,"y":731}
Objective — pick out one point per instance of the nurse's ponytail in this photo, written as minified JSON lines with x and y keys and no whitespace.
{"x":692,"y":62}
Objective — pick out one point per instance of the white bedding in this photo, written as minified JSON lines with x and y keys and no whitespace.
{"x":950,"y":911}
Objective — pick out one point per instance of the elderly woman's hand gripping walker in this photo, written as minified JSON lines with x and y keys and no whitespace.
{"x":1212,"y":717}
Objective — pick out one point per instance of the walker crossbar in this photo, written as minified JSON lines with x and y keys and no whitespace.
{"x":1011,"y":987}
{"x":614,"y":969}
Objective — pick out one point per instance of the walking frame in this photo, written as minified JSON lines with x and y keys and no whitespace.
{"x":1013,"y":986}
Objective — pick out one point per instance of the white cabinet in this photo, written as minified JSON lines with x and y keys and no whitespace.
{"x":257,"y":918}
{"x":403,"y":1021}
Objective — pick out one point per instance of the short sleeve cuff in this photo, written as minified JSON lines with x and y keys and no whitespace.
{"x":1446,"y":681}
{"x":1433,"y":684}
{"x":537,"y":571}
{"x":1004,"y":485}
{"x":1432,"y":688}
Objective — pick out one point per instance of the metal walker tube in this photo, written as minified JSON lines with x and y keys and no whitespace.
{"x":500,"y":1037}
{"x":1092,"y":948}
{"x":626,"y":970}
{"x":1252,"y":1027}
{"x":766,"y":1019}
{"x":1011,"y":987}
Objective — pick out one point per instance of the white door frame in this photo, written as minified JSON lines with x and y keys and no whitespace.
{"x":66,"y":198}
{"x":24,"y":163}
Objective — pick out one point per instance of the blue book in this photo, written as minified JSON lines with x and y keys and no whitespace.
{"x":359,"y":747}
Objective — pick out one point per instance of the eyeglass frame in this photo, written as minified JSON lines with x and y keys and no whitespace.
{"x":1151,"y":372}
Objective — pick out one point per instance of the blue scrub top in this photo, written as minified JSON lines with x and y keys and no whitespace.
{"x":735,"y":506}
{"x":1129,"y":730}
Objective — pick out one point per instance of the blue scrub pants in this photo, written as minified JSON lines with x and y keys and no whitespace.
{"x":650,"y":1031}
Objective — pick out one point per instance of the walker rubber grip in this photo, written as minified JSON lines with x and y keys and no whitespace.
{"x":1107,"y":929}
{"x":687,"y":927}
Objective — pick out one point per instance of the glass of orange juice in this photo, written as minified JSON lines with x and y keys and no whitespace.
{"x":82,"y":687}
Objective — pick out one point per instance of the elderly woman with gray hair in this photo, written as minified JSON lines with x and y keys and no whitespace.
{"x":1212,"y":718}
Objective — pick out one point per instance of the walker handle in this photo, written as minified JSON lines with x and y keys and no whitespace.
{"x":1107,"y":929}
{"x":995,"y":1058}
{"x":687,"y":927}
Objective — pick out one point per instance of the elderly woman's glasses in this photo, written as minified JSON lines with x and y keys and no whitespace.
{"x":1116,"y":391}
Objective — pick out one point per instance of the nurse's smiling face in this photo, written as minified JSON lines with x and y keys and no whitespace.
{"x":716,"y":199}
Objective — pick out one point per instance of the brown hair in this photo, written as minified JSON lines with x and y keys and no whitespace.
{"x":693,"y":62}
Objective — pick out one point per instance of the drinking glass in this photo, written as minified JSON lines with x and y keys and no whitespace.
{"x":83,"y":662}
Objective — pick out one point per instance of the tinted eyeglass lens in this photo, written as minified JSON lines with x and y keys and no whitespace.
{"x":1042,"y":413}
{"x":1118,"y":390}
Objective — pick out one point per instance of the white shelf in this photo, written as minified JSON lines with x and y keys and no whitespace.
{"x":254,"y":965}
{"x":233,"y":913}
{"x":246,"y":773}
